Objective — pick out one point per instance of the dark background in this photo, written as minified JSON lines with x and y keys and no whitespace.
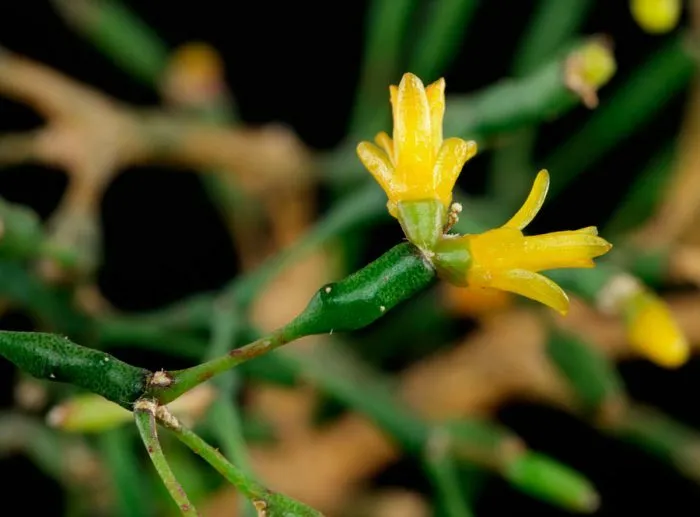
{"x":298,"y":62}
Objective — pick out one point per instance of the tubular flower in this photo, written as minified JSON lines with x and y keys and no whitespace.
{"x":503,"y":258}
{"x":652,"y":330}
{"x":417,"y":168}
{"x":656,"y":16}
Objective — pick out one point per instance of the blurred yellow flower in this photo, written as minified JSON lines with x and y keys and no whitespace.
{"x":656,"y":16}
{"x":503,"y":258}
{"x":417,"y":168}
{"x":652,"y":331}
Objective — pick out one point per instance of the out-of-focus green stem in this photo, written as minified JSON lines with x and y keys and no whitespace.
{"x":266,"y":501}
{"x":347,"y":379}
{"x":21,"y":433}
{"x":130,"y":488}
{"x":544,"y":478}
{"x":443,"y":30}
{"x":552,"y":25}
{"x":661,"y":436}
{"x":592,"y":376}
{"x":387,"y":21}
{"x":224,"y":417}
{"x":516,"y":103}
{"x":120,"y":34}
{"x":512,"y":167}
{"x":147,"y":426}
{"x":444,"y":474}
{"x":362,"y":206}
{"x":641,"y":199}
{"x":626,"y":110}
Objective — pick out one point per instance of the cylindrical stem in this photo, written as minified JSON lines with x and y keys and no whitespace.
{"x":182,"y":381}
{"x":265,"y":501}
{"x":145,"y":416}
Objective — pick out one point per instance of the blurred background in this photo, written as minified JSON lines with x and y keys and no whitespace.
{"x":139,"y":207}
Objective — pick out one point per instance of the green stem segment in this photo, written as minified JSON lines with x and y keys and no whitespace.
{"x":386,"y":26}
{"x":350,"y":304}
{"x":55,"y":358}
{"x":546,"y":479}
{"x":446,"y":24}
{"x":119,"y":34}
{"x":268,"y":503}
{"x":552,"y":25}
{"x":132,"y":497}
{"x":145,"y":417}
{"x":658,"y":434}
{"x":182,"y":381}
{"x":513,"y":104}
{"x":592,"y":376}
{"x":443,"y":470}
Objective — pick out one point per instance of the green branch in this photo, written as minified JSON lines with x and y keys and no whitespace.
{"x":268,"y":503}
{"x":145,"y":416}
{"x":350,"y":304}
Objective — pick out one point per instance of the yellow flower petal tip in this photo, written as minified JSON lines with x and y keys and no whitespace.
{"x":656,"y":16}
{"x":416,"y":164}
{"x":506,"y":260}
{"x":652,"y":330}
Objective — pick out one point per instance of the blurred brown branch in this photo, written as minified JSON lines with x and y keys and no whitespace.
{"x":92,"y":137}
{"x":503,"y":361}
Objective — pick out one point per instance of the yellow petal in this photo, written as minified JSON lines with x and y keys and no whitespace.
{"x":532,"y":204}
{"x":454,"y":153}
{"x":436,"y":102}
{"x":387,"y":144}
{"x":412,"y":137}
{"x":653,"y":331}
{"x":561,"y":250}
{"x":377,"y":163}
{"x":590,"y":230}
{"x":394,"y":95}
{"x":533,"y":286}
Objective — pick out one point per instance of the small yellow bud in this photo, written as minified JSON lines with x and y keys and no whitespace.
{"x":598,"y":62}
{"x":653,"y":331}
{"x":656,"y":16}
{"x":195,"y":74}
{"x":90,"y":413}
{"x":589,"y":68}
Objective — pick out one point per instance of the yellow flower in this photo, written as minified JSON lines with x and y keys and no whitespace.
{"x":503,"y":258}
{"x":652,"y":331}
{"x":656,"y":16}
{"x":417,"y":168}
